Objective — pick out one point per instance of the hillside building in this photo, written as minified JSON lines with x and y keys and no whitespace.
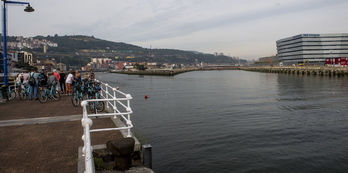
{"x":314,"y":49}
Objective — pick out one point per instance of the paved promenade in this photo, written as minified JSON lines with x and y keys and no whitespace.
{"x":44,"y":137}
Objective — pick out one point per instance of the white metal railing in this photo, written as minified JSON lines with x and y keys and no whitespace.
{"x":117,"y":108}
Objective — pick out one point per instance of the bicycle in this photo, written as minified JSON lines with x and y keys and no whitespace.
{"x":95,"y":106}
{"x":11,"y":92}
{"x":3,"y":94}
{"x":78,"y":94}
{"x":48,"y":92}
{"x":24,"y":92}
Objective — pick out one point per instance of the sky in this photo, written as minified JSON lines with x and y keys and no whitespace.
{"x":247,"y":29}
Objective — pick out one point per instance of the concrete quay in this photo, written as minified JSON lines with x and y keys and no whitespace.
{"x":302,"y":70}
{"x":45,"y":137}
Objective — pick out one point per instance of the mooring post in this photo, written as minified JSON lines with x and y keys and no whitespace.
{"x":147,"y":155}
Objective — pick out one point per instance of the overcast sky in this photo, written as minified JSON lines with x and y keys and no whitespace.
{"x":242,"y":28}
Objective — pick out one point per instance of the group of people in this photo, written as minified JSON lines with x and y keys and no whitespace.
{"x":59,"y":79}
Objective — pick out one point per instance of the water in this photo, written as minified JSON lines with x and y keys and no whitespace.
{"x":239,"y":121}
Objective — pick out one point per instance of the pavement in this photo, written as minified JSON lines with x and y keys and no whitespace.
{"x":44,"y":137}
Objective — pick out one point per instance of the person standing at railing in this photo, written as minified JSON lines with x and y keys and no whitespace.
{"x":78,"y":78}
{"x":33,"y":89}
{"x":25,"y":78}
{"x":91,"y":74}
{"x":56,"y":74}
{"x":62,"y":81}
{"x":42,"y":78}
{"x":86,"y":77}
{"x":52,"y":79}
{"x":69,"y":83}
{"x":18,"y":82}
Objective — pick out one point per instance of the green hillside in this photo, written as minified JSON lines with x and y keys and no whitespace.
{"x":75,"y":48}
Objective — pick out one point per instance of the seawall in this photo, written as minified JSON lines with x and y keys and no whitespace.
{"x":307,"y":70}
{"x":172,"y":72}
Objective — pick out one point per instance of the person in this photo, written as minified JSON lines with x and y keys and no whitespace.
{"x":69,"y":82}
{"x":56,"y":74}
{"x":42,"y":78}
{"x":78,"y":78}
{"x":62,"y":78}
{"x":25,"y":78}
{"x":86,"y":76}
{"x":33,"y":89}
{"x":18,"y":82}
{"x":77,"y":73}
{"x":91,"y":74}
{"x":52,"y":79}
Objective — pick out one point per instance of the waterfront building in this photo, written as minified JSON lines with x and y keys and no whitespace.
{"x":314,"y":49}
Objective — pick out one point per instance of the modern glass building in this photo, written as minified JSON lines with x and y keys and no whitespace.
{"x":313,"y":49}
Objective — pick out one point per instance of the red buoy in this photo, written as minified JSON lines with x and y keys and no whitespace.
{"x":145,"y":96}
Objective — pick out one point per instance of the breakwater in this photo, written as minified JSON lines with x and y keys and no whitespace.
{"x":308,"y":70}
{"x":171,"y":72}
{"x":159,"y":72}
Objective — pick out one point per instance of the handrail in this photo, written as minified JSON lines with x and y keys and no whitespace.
{"x":120,"y":108}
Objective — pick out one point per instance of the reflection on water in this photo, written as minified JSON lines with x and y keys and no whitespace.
{"x":238,"y":121}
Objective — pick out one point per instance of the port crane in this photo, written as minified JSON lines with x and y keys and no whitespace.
{"x":270,"y":62}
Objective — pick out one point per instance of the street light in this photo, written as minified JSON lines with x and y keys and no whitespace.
{"x":4,"y":32}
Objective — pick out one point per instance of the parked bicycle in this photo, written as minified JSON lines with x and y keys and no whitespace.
{"x":11,"y":92}
{"x":4,"y":94}
{"x":94,"y":93}
{"x":48,"y":92}
{"x":24,"y":92}
{"x":79,"y":94}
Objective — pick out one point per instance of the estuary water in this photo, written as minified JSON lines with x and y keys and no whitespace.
{"x":240,"y":121}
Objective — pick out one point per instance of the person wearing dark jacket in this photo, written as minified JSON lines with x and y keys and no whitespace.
{"x":62,"y":81}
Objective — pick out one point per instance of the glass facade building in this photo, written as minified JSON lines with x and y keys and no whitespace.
{"x":313,"y":49}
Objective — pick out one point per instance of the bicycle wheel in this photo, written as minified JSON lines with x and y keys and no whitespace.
{"x":42,"y":96}
{"x":100,"y":106}
{"x":56,"y":95}
{"x":3,"y":98}
{"x":12,"y":94}
{"x":75,"y":100}
{"x":92,"y":106}
{"x":23,"y":95}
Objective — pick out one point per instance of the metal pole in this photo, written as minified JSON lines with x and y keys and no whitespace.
{"x":4,"y":39}
{"x":4,"y":34}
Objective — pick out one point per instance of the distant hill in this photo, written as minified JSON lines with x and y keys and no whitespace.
{"x":80,"y":46}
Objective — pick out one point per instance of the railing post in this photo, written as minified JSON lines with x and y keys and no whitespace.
{"x":115,"y":105}
{"x":129,"y":109}
{"x":87,"y":148}
{"x":107,"y":94}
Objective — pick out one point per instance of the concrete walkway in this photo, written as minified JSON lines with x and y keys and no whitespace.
{"x":45,"y":137}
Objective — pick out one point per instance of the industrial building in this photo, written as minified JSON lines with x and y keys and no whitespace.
{"x":314,"y":49}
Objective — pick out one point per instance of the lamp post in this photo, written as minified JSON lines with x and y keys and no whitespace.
{"x":4,"y":32}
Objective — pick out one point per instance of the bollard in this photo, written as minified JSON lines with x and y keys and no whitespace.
{"x":147,"y":155}
{"x":122,"y":150}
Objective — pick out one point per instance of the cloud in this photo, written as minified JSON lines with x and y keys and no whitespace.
{"x":244,"y":28}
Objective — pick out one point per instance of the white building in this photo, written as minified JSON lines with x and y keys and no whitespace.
{"x":312,"y":48}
